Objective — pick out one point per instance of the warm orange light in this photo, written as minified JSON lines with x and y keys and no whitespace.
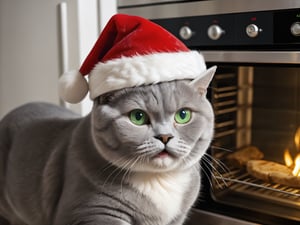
{"x":297,"y":139}
{"x":296,"y":170}
{"x":292,"y":164}
{"x":288,"y":158}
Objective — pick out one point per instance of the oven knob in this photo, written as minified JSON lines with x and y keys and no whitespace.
{"x":215,"y":32}
{"x":185,"y":33}
{"x":252,"y":30}
{"x":295,"y":29}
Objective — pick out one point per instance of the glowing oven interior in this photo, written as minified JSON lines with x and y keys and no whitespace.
{"x":258,"y":109}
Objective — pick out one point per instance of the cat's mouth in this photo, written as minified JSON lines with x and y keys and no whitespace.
{"x":163,"y":154}
{"x":165,"y":159}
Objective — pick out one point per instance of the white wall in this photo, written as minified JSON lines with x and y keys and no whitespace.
{"x":28,"y":53}
{"x":30,"y":47}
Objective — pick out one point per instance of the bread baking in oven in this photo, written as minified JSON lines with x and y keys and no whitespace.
{"x":241,"y":157}
{"x":272,"y":172}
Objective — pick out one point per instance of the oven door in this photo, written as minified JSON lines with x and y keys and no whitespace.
{"x":256,"y":99}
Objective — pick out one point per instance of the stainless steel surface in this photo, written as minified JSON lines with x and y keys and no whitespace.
{"x":252,"y":30}
{"x":242,"y":182}
{"x":199,"y":8}
{"x":215,"y":32}
{"x":202,"y":217}
{"x":185,"y":33}
{"x":224,"y":98}
{"x":295,"y":29}
{"x":272,"y":57}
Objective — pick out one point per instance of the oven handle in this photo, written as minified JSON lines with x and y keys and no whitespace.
{"x":269,"y":57}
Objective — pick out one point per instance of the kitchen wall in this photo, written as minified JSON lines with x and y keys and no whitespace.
{"x":32,"y":51}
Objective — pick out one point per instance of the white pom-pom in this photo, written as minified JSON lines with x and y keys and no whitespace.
{"x":72,"y":87}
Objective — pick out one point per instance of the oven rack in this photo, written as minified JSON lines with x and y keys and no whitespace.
{"x":241,"y":182}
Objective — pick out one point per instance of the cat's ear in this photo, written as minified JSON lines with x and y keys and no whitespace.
{"x":201,"y":83}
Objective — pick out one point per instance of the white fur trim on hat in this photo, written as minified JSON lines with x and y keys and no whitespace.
{"x":72,"y":87}
{"x":143,"y":70}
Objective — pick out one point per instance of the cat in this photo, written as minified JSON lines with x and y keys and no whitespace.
{"x":134,"y":160}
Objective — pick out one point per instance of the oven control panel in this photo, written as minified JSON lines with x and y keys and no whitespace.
{"x":265,"y":29}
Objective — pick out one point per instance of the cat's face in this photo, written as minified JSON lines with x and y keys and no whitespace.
{"x":160,"y":127}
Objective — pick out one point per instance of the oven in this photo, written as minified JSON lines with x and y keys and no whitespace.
{"x":256,"y":98}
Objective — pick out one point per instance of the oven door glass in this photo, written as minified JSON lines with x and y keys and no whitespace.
{"x":256,"y":149}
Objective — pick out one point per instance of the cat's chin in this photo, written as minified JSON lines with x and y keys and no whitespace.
{"x":162,"y":162}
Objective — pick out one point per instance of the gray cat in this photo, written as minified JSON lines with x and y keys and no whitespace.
{"x":134,"y":160}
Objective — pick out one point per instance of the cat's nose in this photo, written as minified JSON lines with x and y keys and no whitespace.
{"x":164,"y":138}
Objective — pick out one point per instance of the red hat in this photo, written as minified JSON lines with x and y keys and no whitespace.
{"x":131,"y":51}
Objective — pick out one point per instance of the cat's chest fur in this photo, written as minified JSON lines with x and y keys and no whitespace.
{"x":164,"y":190}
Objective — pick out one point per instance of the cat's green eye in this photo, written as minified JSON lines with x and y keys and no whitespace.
{"x":183,"y":116}
{"x":138,"y":117}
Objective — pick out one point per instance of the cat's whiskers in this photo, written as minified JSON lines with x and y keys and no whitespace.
{"x":206,"y":173}
{"x":113,"y":163}
{"x":127,"y":173}
{"x":208,"y":168}
{"x":219,"y":163}
{"x":127,"y":163}
{"x":146,"y":148}
{"x":221,"y":148}
{"x":191,"y":156}
{"x":120,"y":165}
{"x":209,"y":163}
{"x":123,"y":168}
{"x":124,"y":164}
{"x":212,"y":170}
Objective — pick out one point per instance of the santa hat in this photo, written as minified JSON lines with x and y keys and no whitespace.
{"x":131,"y":51}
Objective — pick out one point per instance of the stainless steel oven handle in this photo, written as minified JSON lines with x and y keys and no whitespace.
{"x":269,"y":57}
